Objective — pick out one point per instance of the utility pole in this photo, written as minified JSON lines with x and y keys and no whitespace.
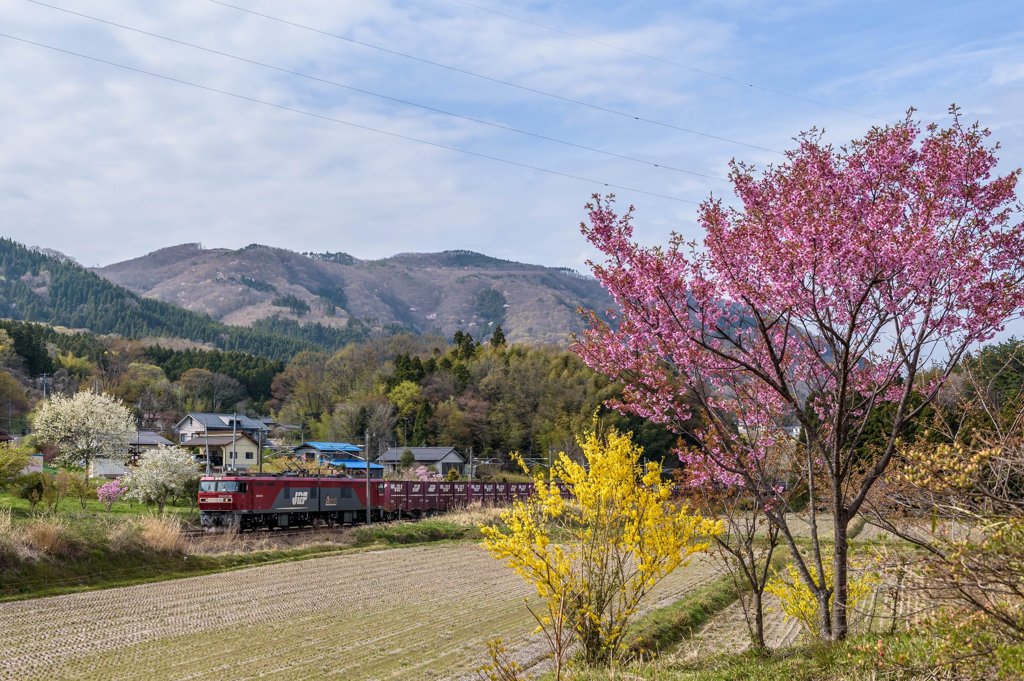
{"x":234,"y":440}
{"x":134,"y":455}
{"x":366,"y":456}
{"x":206,"y":437}
{"x":471,"y":463}
{"x":259,"y":448}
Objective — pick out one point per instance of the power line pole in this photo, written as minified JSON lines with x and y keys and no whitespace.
{"x":366,"y":453}
{"x":206,"y":437}
{"x":234,"y":440}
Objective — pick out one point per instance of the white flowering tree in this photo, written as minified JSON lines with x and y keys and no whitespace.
{"x":161,"y":474}
{"x":85,"y":426}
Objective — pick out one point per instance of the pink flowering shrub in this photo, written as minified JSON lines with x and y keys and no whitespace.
{"x":427,"y":474}
{"x":110,"y":492}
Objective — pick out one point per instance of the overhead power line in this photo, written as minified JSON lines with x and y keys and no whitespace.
{"x":688,"y":67}
{"x":507,"y":83}
{"x":340,"y":121}
{"x":397,"y":100}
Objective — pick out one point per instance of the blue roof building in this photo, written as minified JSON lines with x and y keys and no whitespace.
{"x":318,"y":452}
{"x":350,"y":465}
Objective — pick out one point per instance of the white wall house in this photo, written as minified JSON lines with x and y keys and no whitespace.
{"x":441,"y":459}
{"x":226,"y":452}
{"x":196,"y":424}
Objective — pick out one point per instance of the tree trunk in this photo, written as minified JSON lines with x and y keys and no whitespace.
{"x":160,"y":506}
{"x":840,"y":577}
{"x":824,"y":613}
{"x":759,"y":643}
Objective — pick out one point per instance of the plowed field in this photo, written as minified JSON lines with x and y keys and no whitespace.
{"x":412,"y":613}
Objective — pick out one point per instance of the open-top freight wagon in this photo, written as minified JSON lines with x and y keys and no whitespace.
{"x":269,"y":501}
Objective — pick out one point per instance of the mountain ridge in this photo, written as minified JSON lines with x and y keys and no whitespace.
{"x":52,"y":288}
{"x":421,"y":292}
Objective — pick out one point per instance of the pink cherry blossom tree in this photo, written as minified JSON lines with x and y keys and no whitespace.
{"x":844,"y":289}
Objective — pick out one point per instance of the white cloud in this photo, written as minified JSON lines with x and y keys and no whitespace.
{"x":106,"y":164}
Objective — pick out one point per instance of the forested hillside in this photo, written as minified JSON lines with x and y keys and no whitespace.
{"x":407,"y":390}
{"x":35,"y":286}
{"x":492,"y":397}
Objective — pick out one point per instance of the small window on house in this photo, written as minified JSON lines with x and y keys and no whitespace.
{"x":248,"y":455}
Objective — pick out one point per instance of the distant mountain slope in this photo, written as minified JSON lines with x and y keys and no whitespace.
{"x":421,"y":292}
{"x":45,"y":286}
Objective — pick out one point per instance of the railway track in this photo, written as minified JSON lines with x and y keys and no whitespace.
{"x":198,"y":532}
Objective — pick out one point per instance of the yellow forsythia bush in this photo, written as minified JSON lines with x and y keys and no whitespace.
{"x":593,"y":554}
{"x":800,"y":604}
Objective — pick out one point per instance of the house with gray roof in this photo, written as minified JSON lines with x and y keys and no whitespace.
{"x":143,"y":441}
{"x":196,"y":424}
{"x":441,"y":459}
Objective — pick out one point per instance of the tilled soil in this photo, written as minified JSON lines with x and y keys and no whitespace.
{"x":413,"y":613}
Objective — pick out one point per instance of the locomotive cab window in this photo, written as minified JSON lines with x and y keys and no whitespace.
{"x":221,"y":486}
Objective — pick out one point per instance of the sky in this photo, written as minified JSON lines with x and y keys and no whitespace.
{"x":348,"y":125}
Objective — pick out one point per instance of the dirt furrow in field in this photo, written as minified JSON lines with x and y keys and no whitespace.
{"x":289,"y":615}
{"x":415,"y":613}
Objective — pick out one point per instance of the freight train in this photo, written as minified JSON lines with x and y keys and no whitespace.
{"x":270,"y":501}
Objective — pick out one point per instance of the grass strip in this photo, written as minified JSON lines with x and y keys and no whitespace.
{"x":422,"y":532}
{"x":112,"y":569}
{"x":47,"y":579}
{"x":913,"y":655}
{"x":666,"y":627}
{"x":813,"y":662}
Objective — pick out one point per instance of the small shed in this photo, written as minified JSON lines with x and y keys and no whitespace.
{"x":441,"y":459}
{"x":145,"y":440}
{"x":36,"y":464}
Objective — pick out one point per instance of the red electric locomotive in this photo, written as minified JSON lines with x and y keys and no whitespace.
{"x":269,"y":501}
